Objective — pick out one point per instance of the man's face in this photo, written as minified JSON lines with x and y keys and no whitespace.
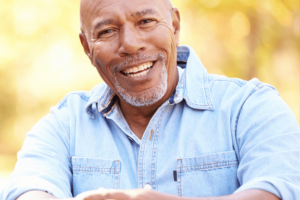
{"x":133,"y":46}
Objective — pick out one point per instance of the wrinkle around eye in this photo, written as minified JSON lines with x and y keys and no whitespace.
{"x":106,"y":34}
{"x":144,"y":24}
{"x":147,"y":21}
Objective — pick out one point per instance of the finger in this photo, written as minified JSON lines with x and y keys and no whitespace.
{"x":89,"y":195}
{"x":112,"y":194}
{"x":100,"y":194}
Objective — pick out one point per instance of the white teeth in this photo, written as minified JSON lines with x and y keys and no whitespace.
{"x":141,"y":67}
{"x":135,"y":69}
{"x":139,"y":74}
{"x":143,"y":73}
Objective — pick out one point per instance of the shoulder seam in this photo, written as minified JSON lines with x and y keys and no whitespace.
{"x":63,"y":101}
{"x":240,"y":85}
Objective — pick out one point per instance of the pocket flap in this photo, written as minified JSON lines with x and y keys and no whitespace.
{"x":209,"y":161}
{"x":95,"y":165}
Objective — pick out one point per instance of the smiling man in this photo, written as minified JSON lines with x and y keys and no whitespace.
{"x":160,"y":126}
{"x":134,"y":50}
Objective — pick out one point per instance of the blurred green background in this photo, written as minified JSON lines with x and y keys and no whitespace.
{"x":41,"y":59}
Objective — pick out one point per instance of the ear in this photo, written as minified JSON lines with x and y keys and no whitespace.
{"x":85,"y":46}
{"x":176,"y":24}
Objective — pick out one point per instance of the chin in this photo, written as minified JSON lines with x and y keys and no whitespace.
{"x":147,"y":97}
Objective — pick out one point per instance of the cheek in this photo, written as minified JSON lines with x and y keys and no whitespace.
{"x":165,"y":40}
{"x":104,"y":52}
{"x":171,"y":59}
{"x":162,"y":36}
{"x":103,"y":57}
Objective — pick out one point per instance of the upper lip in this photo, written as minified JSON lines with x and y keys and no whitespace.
{"x":134,"y":64}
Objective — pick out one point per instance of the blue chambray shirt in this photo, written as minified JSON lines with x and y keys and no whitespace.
{"x":214,"y":136}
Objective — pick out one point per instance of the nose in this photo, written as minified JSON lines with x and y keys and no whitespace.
{"x":130,"y":42}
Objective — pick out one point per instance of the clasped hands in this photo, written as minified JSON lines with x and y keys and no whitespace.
{"x":144,"y":194}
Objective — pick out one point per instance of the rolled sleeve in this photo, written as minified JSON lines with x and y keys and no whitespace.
{"x":44,"y":160}
{"x":25,"y":184}
{"x":268,"y":139}
{"x":275,"y":186}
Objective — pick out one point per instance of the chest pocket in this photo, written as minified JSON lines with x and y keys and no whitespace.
{"x":207,"y":175}
{"x":93,"y":173}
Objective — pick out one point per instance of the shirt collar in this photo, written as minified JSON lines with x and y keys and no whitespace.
{"x":192,"y":87}
{"x":102,"y":100}
{"x":193,"y":84}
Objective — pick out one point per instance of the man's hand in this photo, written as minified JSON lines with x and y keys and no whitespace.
{"x":142,"y":194}
{"x":136,"y":194}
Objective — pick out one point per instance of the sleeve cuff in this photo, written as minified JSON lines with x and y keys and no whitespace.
{"x":280,"y":188}
{"x":26,"y":184}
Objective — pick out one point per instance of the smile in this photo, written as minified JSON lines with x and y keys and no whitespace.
{"x":138,"y":71}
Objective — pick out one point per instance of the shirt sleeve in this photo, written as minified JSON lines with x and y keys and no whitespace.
{"x":43,"y":162}
{"x":268,"y":140}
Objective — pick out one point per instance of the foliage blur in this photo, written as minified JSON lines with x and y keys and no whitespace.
{"x":41,"y":59}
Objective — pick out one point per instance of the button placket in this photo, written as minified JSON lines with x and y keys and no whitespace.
{"x":141,"y":155}
{"x":154,"y":150}
{"x":147,"y":169}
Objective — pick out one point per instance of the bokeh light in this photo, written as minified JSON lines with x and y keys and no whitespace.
{"x":41,"y":58}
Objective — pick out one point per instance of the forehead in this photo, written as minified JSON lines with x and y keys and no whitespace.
{"x":95,"y":9}
{"x":103,"y":5}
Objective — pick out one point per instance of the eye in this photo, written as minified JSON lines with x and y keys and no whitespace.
{"x":147,"y":22}
{"x":106,"y":33}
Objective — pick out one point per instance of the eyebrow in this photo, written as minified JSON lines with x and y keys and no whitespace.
{"x":136,"y":14}
{"x":144,"y":12}
{"x":101,"y":23}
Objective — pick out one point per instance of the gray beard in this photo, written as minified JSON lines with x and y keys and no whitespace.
{"x":149,"y":96}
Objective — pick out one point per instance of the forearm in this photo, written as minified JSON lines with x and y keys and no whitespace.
{"x":36,"y":195}
{"x":245,"y":195}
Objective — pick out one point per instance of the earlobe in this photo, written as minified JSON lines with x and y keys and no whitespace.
{"x":176,"y":24}
{"x":85,"y":46}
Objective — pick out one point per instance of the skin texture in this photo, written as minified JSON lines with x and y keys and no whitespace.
{"x":128,"y":31}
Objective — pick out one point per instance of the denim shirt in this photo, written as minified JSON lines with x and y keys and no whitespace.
{"x":214,"y":136}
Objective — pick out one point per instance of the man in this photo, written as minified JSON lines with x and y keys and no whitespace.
{"x":154,"y":130}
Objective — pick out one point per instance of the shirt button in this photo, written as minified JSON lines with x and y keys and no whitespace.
{"x":147,"y":187}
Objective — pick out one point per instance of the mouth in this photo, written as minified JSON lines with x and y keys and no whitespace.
{"x":139,"y":70}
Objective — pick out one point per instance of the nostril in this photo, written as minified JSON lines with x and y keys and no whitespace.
{"x":130,"y":45}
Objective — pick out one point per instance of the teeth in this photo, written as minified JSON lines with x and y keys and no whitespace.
{"x":139,"y":74}
{"x":135,"y":69}
{"x":141,"y":67}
